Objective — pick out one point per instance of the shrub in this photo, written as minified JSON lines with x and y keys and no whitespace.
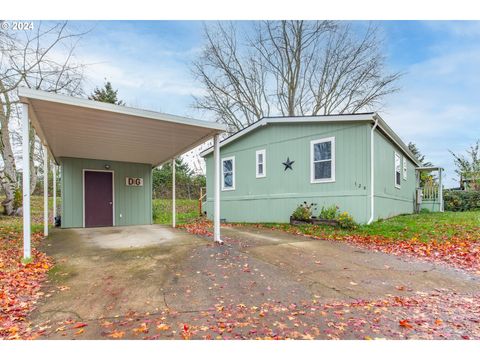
{"x":456,"y":200}
{"x":345,"y":221}
{"x":17,"y":199}
{"x":303,"y":212}
{"x":329,"y":213}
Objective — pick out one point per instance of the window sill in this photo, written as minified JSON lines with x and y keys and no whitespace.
{"x":228,"y":189}
{"x":322,"y":181}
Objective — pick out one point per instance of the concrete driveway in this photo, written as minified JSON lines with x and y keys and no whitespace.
{"x":109,"y":272}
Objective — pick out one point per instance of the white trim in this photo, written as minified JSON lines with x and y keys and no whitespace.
{"x":264,"y":163}
{"x":113,"y":192}
{"x":216,"y":190}
{"x":395,"y":155}
{"x":174,"y":210}
{"x":372,"y":172}
{"x":238,"y":134}
{"x":372,"y":117}
{"x":26,"y":93}
{"x":45,"y":191}
{"x":289,"y":119}
{"x":232,"y":158}
{"x":404,"y":168}
{"x":54,"y":170}
{"x":312,"y":164}
{"x":26,"y":182}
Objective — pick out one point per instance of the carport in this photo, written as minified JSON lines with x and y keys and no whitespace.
{"x":75,"y":128}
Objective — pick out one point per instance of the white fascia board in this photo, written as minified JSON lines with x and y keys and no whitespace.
{"x":25,"y":94}
{"x":235,"y":136}
{"x":291,"y":119}
{"x":429,"y":168}
{"x":322,"y":118}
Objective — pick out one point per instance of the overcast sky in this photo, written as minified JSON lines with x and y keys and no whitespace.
{"x":437,"y":107}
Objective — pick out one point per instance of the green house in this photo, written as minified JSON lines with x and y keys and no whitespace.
{"x":356,"y":162}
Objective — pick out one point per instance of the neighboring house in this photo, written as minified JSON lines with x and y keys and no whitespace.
{"x":273,"y":165}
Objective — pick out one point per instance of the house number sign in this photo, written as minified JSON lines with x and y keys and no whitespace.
{"x":130,"y":181}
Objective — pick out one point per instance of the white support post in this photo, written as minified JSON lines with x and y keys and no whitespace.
{"x":54,"y":170}
{"x":174,"y":211}
{"x":26,"y":181}
{"x":440,"y":189}
{"x":45,"y":191}
{"x":216,"y":189}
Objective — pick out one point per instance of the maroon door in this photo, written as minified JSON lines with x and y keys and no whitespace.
{"x":98,"y":198}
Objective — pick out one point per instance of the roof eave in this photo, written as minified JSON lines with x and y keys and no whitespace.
{"x":291,"y":119}
{"x":26,"y":94}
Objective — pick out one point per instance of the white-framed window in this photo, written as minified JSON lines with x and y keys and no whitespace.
{"x":398,"y":171}
{"x":260,"y":163}
{"x":228,"y":173}
{"x":322,"y":160}
{"x":405,"y":168}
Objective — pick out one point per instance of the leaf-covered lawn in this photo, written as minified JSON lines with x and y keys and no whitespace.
{"x":424,"y":227}
{"x":19,"y":283}
{"x":451,"y":238}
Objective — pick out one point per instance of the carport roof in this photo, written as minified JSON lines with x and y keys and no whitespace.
{"x":81,"y":128}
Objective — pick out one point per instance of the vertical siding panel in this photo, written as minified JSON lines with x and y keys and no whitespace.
{"x":134,"y":203}
{"x":273,"y":198}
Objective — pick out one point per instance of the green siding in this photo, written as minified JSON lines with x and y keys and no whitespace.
{"x":389,"y":200}
{"x":133,"y":205}
{"x":273,"y":198}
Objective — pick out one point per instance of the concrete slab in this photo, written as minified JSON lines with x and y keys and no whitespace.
{"x":112,"y":272}
{"x":131,"y":237}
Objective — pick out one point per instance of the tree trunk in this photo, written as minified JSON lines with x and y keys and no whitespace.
{"x":8,"y":176}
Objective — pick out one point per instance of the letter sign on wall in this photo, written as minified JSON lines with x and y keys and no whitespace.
{"x":129,"y":181}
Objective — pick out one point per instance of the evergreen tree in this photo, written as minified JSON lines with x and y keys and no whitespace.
{"x":420,"y":157}
{"x":187,"y":183}
{"x":424,"y":176}
{"x":106,"y":94}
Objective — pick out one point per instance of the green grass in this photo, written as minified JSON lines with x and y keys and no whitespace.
{"x":424,"y":227}
{"x":186,"y":210}
{"x":15,"y":223}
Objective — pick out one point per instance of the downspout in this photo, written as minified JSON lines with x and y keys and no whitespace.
{"x":372,"y":171}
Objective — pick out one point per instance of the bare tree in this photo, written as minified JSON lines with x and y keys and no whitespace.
{"x":290,"y":68}
{"x":42,"y":58}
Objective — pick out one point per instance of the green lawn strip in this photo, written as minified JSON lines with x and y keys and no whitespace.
{"x":186,"y":210}
{"x":424,"y":227}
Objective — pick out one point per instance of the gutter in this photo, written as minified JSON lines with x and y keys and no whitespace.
{"x":372,"y":171}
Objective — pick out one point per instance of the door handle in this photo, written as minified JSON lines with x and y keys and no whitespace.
{"x":111,"y":203}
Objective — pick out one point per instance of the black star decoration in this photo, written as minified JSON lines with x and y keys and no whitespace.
{"x":288,"y":164}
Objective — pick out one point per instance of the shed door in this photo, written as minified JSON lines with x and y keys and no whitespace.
{"x":98,"y":198}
